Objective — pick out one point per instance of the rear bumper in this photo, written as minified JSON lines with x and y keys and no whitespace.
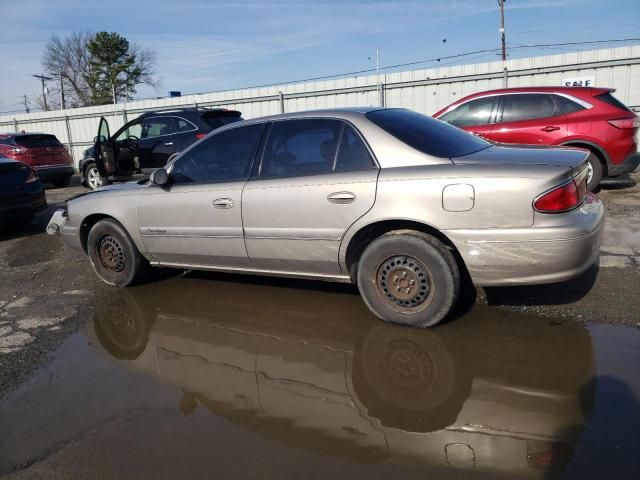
{"x":27,"y":205}
{"x":53,"y":171}
{"x":628,"y":165}
{"x":59,"y":225}
{"x":502,"y":257}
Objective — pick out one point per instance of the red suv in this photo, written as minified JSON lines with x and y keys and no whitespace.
{"x":43,"y":152}
{"x":585,"y":117}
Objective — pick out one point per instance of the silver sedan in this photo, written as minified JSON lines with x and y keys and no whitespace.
{"x":402,"y":205}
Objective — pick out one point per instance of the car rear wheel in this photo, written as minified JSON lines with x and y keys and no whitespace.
{"x":594,"y":172}
{"x":408,"y":277}
{"x":93,"y":178}
{"x":114,"y":256}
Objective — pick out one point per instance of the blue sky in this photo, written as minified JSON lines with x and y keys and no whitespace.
{"x":216,"y":45}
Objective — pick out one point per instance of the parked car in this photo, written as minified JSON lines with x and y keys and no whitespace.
{"x":585,"y":117}
{"x":40,"y":151}
{"x":21,"y":192}
{"x":399,"y":203}
{"x":146,"y":143}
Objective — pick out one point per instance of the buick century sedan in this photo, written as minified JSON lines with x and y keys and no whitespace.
{"x":405,"y":206}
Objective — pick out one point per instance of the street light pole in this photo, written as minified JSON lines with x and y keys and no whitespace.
{"x":62,"y":105}
{"x":505,"y":75}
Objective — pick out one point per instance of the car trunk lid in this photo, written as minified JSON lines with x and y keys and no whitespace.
{"x":12,"y":178}
{"x":574,"y":158}
{"x":40,"y":150}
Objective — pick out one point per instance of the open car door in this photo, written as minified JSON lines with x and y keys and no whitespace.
{"x":104,"y":151}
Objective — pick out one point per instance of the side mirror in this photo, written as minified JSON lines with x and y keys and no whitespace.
{"x":95,"y":139}
{"x":160,"y":177}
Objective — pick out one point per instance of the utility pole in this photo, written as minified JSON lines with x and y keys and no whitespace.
{"x":26,"y":104}
{"x":62,"y":106}
{"x":378,"y":66}
{"x":44,"y":94}
{"x":505,"y":75}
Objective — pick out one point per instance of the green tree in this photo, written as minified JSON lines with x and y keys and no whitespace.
{"x":116,"y":68}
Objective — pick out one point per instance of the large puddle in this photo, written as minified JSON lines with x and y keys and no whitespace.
{"x":223,"y":377}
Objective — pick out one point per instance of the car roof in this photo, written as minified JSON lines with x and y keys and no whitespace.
{"x":559,"y":89}
{"x":198,"y":110}
{"x":344,"y":113}
{"x":18,"y":134}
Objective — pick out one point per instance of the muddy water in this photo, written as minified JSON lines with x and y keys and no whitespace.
{"x":224,"y":377}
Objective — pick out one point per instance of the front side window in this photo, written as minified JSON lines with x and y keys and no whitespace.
{"x":132,"y":130}
{"x":225,"y":157}
{"x":527,"y":106}
{"x":300,"y":147}
{"x":156,"y":127}
{"x":475,"y":112}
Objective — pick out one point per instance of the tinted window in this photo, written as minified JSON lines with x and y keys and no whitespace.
{"x":300,"y":147}
{"x":32,"y":141}
{"x":183,"y":125}
{"x":352,"y":153}
{"x":155,"y":127}
{"x":567,"y":106}
{"x":527,"y":106}
{"x":613,"y":101}
{"x":426,"y":134}
{"x":224,"y":157}
{"x":475,"y":112}
{"x":216,"y":121}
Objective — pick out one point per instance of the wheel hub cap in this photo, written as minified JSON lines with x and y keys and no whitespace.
{"x":403,"y":281}
{"x":111,"y":254}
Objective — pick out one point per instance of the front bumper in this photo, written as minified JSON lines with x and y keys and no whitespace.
{"x":54,"y":171}
{"x":59,"y":224}
{"x":628,"y":165}
{"x":536,"y":255}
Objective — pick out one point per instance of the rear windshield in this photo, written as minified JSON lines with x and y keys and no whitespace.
{"x":31,"y":141}
{"x":426,"y":134}
{"x":221,"y":118}
{"x":613,"y":101}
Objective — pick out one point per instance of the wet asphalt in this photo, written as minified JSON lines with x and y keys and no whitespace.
{"x":200,"y":375}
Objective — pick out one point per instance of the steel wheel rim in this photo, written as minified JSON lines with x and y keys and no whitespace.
{"x":94,"y":178}
{"x":111,"y":254}
{"x":405,"y":283}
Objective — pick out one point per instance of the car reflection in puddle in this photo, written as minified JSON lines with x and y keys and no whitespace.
{"x":493,"y":391}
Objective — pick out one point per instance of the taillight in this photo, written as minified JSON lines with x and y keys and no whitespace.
{"x":200,"y":135}
{"x":562,"y":198}
{"x":33,"y":175}
{"x":625,"y":123}
{"x":16,"y":151}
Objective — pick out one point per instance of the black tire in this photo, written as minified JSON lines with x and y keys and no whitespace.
{"x":114,"y":256}
{"x":61,"y":182}
{"x":408,"y":277}
{"x":595,"y":165}
{"x":90,"y":170}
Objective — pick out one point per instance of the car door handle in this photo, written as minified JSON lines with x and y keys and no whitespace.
{"x":550,"y":129}
{"x":341,"y":197}
{"x":223,"y":203}
{"x":168,"y":144}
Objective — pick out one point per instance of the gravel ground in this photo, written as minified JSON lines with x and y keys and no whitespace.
{"x":46,"y":289}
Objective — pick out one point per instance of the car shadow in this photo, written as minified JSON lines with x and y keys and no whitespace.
{"x":549,"y":294}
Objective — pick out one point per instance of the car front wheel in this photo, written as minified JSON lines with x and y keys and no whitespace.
{"x":114,"y":256}
{"x":408,"y":277}
{"x":93,"y":178}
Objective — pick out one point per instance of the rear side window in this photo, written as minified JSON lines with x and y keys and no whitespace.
{"x":475,"y":112}
{"x":527,"y":106}
{"x":568,"y":106}
{"x":352,"y":153}
{"x":157,"y":126}
{"x":33,"y":141}
{"x":183,"y":125}
{"x":300,"y":147}
{"x":613,"y":101}
{"x":426,"y":134}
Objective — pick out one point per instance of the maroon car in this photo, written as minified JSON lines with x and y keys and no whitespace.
{"x":586,"y":117}
{"x":41,"y":151}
